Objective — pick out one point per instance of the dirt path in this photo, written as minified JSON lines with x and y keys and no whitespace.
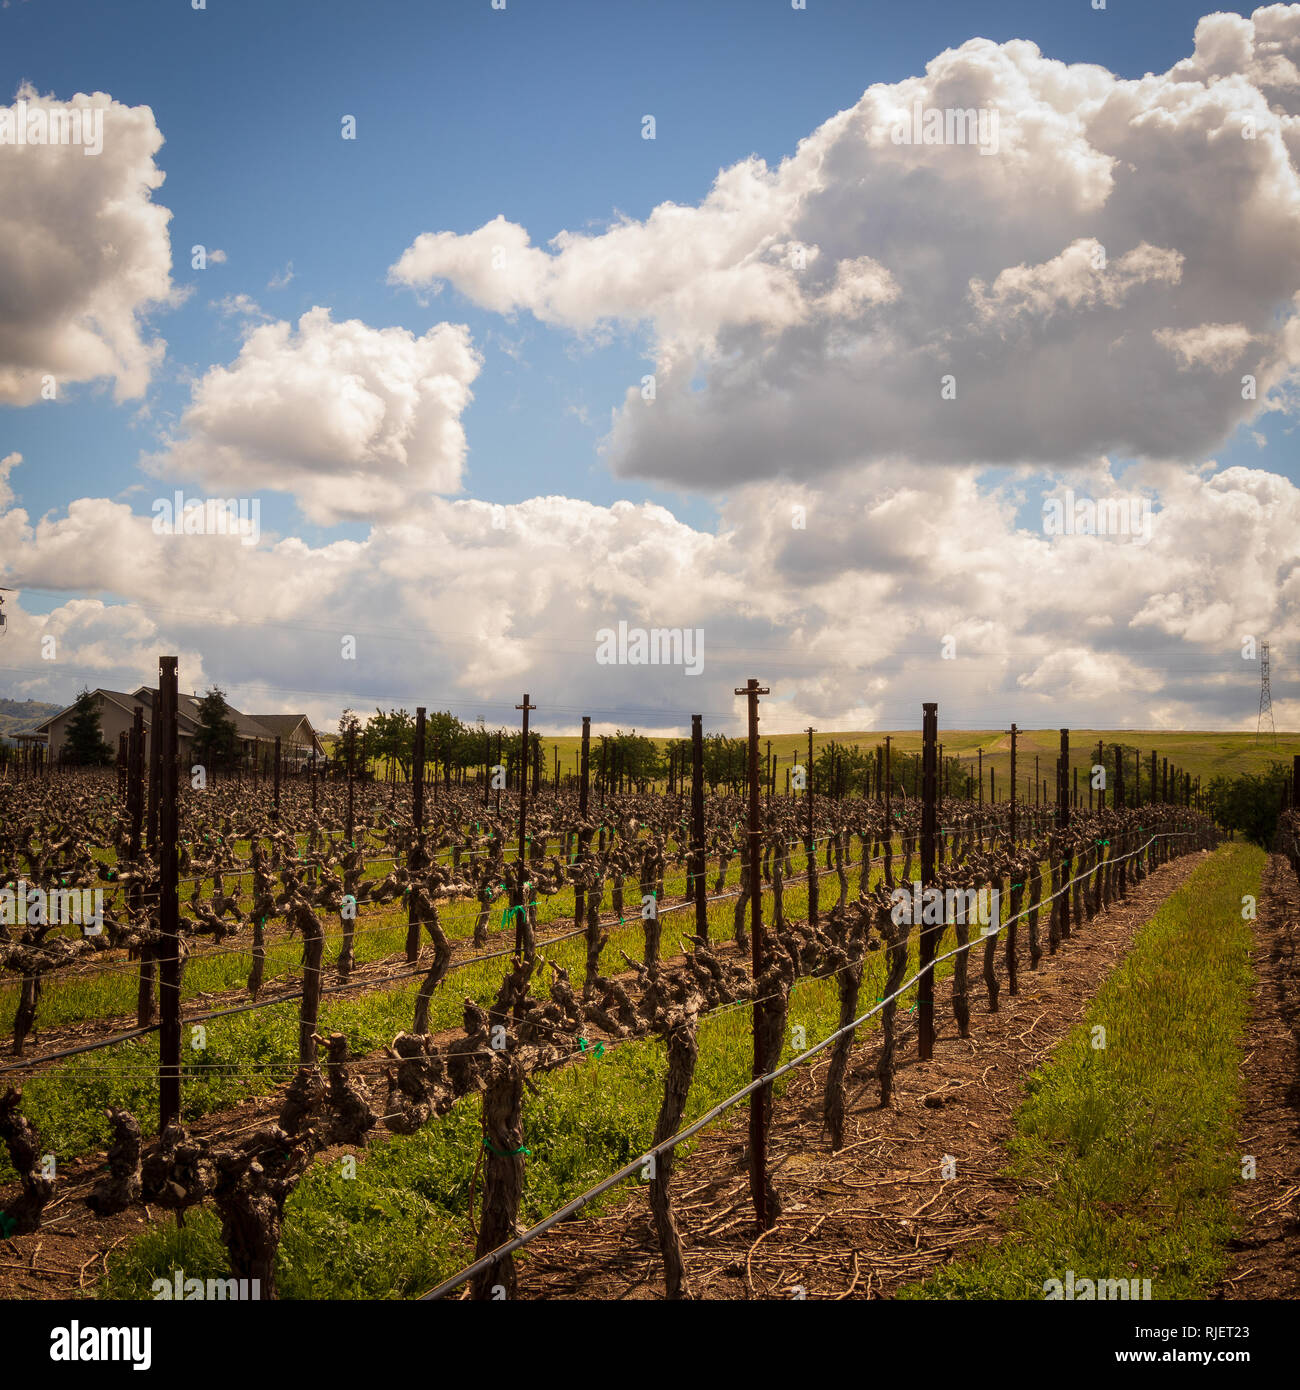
{"x":877,"y":1215}
{"x":1266,"y":1256}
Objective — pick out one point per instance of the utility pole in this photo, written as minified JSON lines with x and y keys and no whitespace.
{"x":1265,"y":699}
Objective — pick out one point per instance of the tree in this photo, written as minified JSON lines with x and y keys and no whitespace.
{"x":639,"y":760}
{"x":349,"y":728}
{"x":1250,"y":803}
{"x":444,"y":737}
{"x":216,"y":740}
{"x":84,"y":744}
{"x":725,"y":760}
{"x":391,"y":737}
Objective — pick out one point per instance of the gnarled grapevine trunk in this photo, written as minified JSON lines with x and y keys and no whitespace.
{"x":23,"y":1145}
{"x":991,"y":958}
{"x":503,"y":1175}
{"x":896,"y":958}
{"x":738,"y":920}
{"x":26,"y":1014}
{"x":849,"y":981}
{"x":313,"y":949}
{"x":425,"y":911}
{"x":144,"y":996}
{"x":1011,"y":930}
{"x":596,"y":941}
{"x":683,"y":1053}
{"x":259,"y":957}
{"x":961,"y":975}
{"x":1035,"y":881}
{"x":769,"y":1037}
{"x":115,"y":1192}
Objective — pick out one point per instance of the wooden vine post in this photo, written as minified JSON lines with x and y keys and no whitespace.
{"x":1014,"y":732}
{"x":522,"y":903}
{"x":929,"y":789}
{"x":760,"y":1105}
{"x":135,"y":792}
{"x":169,"y":961}
{"x":415,"y":854}
{"x":699,"y":885}
{"x":584,"y":789}
{"x":811,"y":842}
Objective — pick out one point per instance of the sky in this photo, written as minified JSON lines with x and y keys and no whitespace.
{"x":509,"y":324}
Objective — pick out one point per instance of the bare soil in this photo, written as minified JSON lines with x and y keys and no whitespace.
{"x":877,"y":1215}
{"x":1266,"y":1255}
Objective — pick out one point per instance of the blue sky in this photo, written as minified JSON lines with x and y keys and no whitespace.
{"x":465,"y":113}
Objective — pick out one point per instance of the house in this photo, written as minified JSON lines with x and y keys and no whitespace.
{"x":299,"y":741}
{"x":300,"y":744}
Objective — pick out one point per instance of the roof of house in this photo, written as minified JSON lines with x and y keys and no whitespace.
{"x":283,"y":725}
{"x":248,"y":727}
{"x":118,"y":697}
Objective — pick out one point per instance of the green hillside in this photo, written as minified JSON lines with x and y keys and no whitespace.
{"x":18,"y":716}
{"x":1202,"y":754}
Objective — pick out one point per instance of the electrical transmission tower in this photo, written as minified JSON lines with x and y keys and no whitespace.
{"x":1265,"y":698}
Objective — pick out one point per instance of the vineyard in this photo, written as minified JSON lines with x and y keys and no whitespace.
{"x":514,"y":1000}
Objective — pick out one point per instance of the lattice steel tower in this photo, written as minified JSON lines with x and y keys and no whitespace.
{"x":1265,"y":698}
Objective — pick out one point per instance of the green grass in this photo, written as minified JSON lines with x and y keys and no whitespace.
{"x":1129,"y":1153}
{"x":1204,"y":754}
{"x":401,"y":1225}
{"x":251,"y":1054}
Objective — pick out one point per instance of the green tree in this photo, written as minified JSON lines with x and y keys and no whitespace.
{"x":349,"y":728}
{"x":443,"y":739}
{"x":725,"y":761}
{"x":216,"y":740}
{"x":1250,"y":803}
{"x":639,"y":758}
{"x":391,"y":737}
{"x":84,"y":744}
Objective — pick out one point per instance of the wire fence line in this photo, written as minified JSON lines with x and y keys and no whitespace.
{"x":362,"y":982}
{"x":494,"y":1257}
